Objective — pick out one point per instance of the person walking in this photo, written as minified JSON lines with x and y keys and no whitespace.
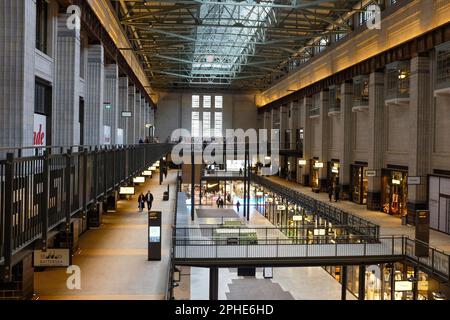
{"x":141,"y":202}
{"x":337,"y":192}
{"x":238,"y":206}
{"x":330,"y":191}
{"x":240,"y":172}
{"x":218,"y":202}
{"x":149,"y":199}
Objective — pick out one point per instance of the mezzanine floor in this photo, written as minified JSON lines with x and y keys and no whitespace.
{"x":389,"y":225}
{"x":113,"y":259}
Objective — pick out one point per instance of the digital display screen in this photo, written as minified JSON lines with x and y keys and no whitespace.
{"x":154,"y":234}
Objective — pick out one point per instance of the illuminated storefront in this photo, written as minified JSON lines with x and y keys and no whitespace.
{"x":394,"y":194}
{"x":359,"y":183}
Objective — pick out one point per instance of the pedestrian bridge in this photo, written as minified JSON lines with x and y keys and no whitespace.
{"x":247,"y":246}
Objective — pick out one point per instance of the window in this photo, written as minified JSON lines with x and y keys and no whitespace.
{"x":207,"y":102}
{"x":218,"y":102}
{"x":207,"y":124}
{"x":42,"y":98}
{"x":195,"y":102}
{"x":195,"y":130}
{"x":218,"y":124}
{"x":41,"y":25}
{"x":366,"y":14}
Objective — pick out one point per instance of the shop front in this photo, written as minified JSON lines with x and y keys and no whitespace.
{"x":359,"y":183}
{"x":394,"y":195}
{"x":316,"y":166}
{"x":333,"y":173}
{"x":439,"y":203}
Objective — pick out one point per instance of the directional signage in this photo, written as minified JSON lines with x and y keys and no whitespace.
{"x":414,"y":181}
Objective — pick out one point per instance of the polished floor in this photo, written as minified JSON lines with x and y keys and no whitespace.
{"x":113,"y":258}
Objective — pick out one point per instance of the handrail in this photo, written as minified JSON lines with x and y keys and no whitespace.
{"x":39,"y":193}
{"x":321,"y":208}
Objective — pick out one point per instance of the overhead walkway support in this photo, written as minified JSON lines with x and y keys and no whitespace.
{"x":41,"y":194}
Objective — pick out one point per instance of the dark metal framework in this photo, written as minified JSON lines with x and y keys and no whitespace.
{"x":189,"y":43}
{"x":38,"y":194}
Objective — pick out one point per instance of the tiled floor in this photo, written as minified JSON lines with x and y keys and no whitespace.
{"x":389,"y":225}
{"x":113,"y":259}
{"x":300,"y":283}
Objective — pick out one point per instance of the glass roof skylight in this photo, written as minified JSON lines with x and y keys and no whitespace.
{"x":227,"y":37}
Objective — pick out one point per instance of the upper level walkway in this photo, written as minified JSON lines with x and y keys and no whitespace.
{"x":200,"y":244}
{"x":389,"y":225}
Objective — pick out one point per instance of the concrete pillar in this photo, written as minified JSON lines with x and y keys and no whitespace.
{"x":419,"y":133}
{"x":131,"y":134}
{"x":346,"y":138}
{"x":123,"y":106}
{"x":93,"y":106}
{"x":17,"y":47}
{"x":137,"y":117}
{"x":111,"y":87}
{"x":65,"y":115}
{"x":323,"y":138}
{"x":376,"y":138}
{"x":305,"y":123}
{"x":142,"y":131}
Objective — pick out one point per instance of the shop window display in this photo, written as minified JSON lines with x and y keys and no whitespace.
{"x":359,"y":185}
{"x":395,"y":193}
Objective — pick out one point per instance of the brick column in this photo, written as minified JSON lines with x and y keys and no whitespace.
{"x":137,"y":117}
{"x":111,"y":87}
{"x":93,"y":106}
{"x":17,"y":80}
{"x":323,"y":138}
{"x":419,"y":133}
{"x":345,"y":138}
{"x":131,"y":134}
{"x":123,"y":106}
{"x":376,"y":138}
{"x":305,"y":123}
{"x":65,"y":115}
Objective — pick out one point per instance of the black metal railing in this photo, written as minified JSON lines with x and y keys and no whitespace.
{"x":275,"y":249}
{"x":356,"y":224}
{"x":37,"y":193}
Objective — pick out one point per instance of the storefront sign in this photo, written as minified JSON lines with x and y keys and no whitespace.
{"x":403,"y":286}
{"x":371,"y":173}
{"x":319,"y":232}
{"x":281,"y":208}
{"x":39,"y":131}
{"x":127,"y":114}
{"x":302,"y":162}
{"x":259,"y":194}
{"x":414,"y":181}
{"x":139,"y":180}
{"x":318,"y":165}
{"x":297,"y":218}
{"x":52,"y":258}
{"x":269,"y":200}
{"x":127,"y":191}
{"x":147,"y":173}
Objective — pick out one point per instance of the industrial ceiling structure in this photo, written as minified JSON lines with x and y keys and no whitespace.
{"x":229,"y":43}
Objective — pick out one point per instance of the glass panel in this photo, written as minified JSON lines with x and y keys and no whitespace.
{"x":207,"y":102}
{"x":195,"y":102}
{"x":218,"y":102}
{"x":195,"y":124}
{"x":218,"y":125}
{"x":206,"y":124}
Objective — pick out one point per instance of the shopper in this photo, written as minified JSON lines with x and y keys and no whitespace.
{"x":218,"y":202}
{"x":141,"y":141}
{"x":240,"y":172}
{"x":149,"y":199}
{"x":337,"y":192}
{"x":238,"y":206}
{"x":330,"y":191}
{"x":141,"y":202}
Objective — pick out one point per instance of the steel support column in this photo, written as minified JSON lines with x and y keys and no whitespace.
{"x":344,"y":283}
{"x":213,"y":284}
{"x":192,"y":182}
{"x":8,"y":223}
{"x":362,"y":282}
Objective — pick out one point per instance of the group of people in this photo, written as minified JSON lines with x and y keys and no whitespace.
{"x":220,"y":202}
{"x":334,"y":190}
{"x":143,"y":199}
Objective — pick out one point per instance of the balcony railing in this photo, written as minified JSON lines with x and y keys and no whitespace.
{"x":443,"y":66}
{"x":37,"y":193}
{"x":397,"y":81}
